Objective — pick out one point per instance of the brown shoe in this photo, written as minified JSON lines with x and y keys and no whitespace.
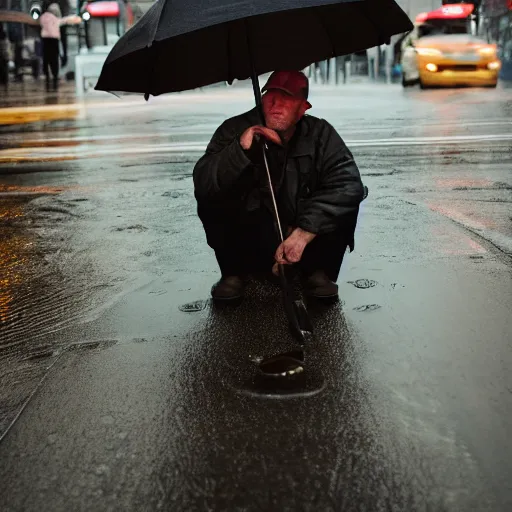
{"x":319,"y":286}
{"x":228,"y":288}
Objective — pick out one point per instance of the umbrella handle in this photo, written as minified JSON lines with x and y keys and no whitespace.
{"x":295,"y":310}
{"x":272,"y":195}
{"x":257,"y":97}
{"x":257,"y":93}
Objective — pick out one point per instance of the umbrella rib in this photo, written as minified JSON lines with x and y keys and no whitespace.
{"x":230,"y":78}
{"x":152,"y":38}
{"x":154,"y":53}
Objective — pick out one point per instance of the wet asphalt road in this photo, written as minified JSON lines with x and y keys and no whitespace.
{"x":133,"y":403}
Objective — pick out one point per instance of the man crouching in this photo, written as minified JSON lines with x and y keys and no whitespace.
{"x":316,"y":182}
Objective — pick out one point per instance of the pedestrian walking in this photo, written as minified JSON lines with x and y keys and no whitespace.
{"x":315,"y":179}
{"x":51,"y":22}
{"x":4,"y":56}
{"x":321,"y":72}
{"x":15,"y":33}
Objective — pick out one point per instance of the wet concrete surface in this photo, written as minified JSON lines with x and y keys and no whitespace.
{"x":137,"y":394}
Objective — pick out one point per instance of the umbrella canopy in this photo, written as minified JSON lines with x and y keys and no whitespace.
{"x":184,"y":44}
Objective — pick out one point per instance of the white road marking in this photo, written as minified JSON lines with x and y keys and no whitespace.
{"x":89,"y":150}
{"x":208,"y":130}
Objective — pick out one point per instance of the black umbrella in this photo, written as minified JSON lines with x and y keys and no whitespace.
{"x":184,"y":44}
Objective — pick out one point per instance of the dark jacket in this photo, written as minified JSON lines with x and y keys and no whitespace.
{"x":320,"y":175}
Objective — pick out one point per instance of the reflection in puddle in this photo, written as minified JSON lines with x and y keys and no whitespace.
{"x":13,"y":258}
{"x":464,"y":183}
{"x":15,"y":190}
{"x":282,"y":365}
{"x":300,"y":385}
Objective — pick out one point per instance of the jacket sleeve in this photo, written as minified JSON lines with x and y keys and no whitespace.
{"x":339,"y":189}
{"x":222,"y":164}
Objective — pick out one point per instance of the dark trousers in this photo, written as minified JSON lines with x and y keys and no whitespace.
{"x":51,"y":57}
{"x":4,"y":70}
{"x":248,"y":245}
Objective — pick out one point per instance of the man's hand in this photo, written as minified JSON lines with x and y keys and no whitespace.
{"x":246,"y":139}
{"x":290,"y":251}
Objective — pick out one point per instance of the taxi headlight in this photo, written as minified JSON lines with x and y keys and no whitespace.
{"x":494,"y":65}
{"x":487,"y":51}
{"x":431,"y":67}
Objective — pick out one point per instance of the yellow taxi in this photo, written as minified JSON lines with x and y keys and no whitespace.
{"x":450,"y":60}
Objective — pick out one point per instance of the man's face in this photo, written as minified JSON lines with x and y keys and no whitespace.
{"x":281,"y":110}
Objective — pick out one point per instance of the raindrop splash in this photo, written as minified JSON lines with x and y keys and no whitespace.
{"x":194,"y":307}
{"x":363,"y":283}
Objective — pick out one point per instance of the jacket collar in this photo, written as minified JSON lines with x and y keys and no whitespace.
{"x":302,"y":143}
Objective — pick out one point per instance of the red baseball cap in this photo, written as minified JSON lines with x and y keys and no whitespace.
{"x":294,"y":83}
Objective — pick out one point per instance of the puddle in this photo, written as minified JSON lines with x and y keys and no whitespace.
{"x":368,"y":307}
{"x":363,"y":283}
{"x":194,"y":307}
{"x":300,"y":385}
{"x":281,"y":365}
{"x":294,"y":354}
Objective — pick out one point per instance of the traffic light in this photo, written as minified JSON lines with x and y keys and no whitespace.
{"x":36,"y":10}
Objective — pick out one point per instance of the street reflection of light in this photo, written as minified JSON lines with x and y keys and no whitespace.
{"x":460,"y":213}
{"x":11,"y":263}
{"x":12,"y":260}
{"x":463,"y":183}
{"x":494,"y":65}
{"x":450,"y":243}
{"x":22,"y":115}
{"x":431,"y":67}
{"x":39,"y":189}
